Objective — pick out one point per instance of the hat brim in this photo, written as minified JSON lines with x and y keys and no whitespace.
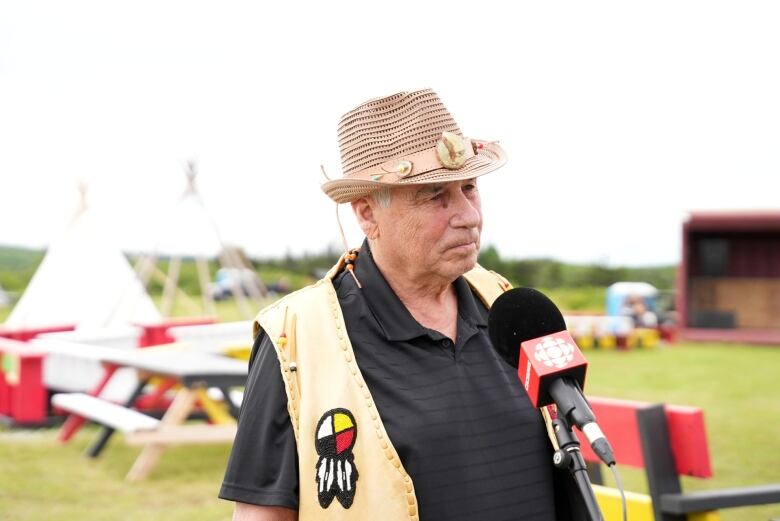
{"x":487,"y":159}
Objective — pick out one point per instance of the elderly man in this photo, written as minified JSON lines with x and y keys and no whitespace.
{"x":375,"y":394}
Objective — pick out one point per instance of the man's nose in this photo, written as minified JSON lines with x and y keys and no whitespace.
{"x":466,"y":212}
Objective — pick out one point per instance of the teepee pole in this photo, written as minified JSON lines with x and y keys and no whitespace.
{"x":171,"y":284}
{"x":255,"y":292}
{"x":235,"y":287}
{"x":227,"y":258}
{"x":203,"y":280}
{"x":144,"y":267}
{"x":160,"y":277}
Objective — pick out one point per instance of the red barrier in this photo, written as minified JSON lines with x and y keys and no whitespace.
{"x":618,"y":420}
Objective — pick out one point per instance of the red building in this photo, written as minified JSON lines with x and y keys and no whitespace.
{"x":729,"y":279}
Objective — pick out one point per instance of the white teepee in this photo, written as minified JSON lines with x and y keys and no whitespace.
{"x":85,"y":280}
{"x":190,"y":232}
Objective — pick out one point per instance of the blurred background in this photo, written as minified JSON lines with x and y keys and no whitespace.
{"x":164,"y":159}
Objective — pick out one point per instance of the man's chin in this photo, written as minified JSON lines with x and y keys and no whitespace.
{"x":462,"y":264}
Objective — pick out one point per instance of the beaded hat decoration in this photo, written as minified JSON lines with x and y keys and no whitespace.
{"x":406,"y":138}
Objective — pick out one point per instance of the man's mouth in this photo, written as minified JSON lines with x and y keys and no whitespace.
{"x":464,"y":246}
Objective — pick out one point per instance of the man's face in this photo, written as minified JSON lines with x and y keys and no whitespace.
{"x":431,"y":230}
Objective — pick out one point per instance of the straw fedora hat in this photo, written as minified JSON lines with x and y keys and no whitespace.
{"x":406,"y":138}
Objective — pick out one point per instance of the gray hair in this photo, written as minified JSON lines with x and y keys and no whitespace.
{"x":382,"y":197}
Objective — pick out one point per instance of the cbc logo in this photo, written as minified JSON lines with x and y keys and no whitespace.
{"x":554,"y":352}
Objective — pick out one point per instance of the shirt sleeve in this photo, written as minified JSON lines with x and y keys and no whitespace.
{"x":263,"y":464}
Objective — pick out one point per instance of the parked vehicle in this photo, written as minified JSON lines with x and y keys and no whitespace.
{"x":242,"y":279}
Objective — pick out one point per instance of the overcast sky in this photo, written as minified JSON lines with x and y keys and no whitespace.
{"x":618,"y":117}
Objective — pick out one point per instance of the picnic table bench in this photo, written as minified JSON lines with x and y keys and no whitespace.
{"x":193,"y":373}
{"x":104,"y":412}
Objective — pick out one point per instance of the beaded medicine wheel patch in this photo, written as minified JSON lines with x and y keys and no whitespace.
{"x":336,"y":473}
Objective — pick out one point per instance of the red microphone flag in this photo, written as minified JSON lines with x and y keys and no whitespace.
{"x":546,"y":358}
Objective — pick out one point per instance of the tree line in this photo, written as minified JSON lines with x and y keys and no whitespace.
{"x":17,"y":266}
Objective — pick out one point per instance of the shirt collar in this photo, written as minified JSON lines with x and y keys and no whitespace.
{"x":395,"y":320}
{"x":468,"y":307}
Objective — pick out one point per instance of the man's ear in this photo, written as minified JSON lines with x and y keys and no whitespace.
{"x":366,"y":216}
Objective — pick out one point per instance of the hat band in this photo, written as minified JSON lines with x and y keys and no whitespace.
{"x":450,"y":152}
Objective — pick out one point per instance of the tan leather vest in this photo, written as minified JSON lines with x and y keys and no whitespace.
{"x":343,"y":448}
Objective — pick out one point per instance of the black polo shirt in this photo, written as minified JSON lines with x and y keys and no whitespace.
{"x":462,"y":424}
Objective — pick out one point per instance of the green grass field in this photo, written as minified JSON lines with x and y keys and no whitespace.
{"x":737,"y":388}
{"x":735,"y":385}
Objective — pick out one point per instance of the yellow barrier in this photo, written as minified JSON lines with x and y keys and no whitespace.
{"x":643,"y":337}
{"x":585,"y":342}
{"x":640,"y":506}
{"x":649,"y":337}
{"x":606,"y":342}
{"x":704,"y":516}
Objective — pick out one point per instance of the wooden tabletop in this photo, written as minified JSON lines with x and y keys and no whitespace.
{"x":173,"y":360}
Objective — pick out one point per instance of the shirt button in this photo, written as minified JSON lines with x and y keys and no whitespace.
{"x":446,"y":343}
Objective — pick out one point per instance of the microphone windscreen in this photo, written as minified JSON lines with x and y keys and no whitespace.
{"x":518,"y":315}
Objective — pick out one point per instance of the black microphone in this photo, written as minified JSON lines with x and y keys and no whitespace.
{"x":529,"y":332}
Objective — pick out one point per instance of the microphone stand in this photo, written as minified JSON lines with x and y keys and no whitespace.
{"x":570,"y":457}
